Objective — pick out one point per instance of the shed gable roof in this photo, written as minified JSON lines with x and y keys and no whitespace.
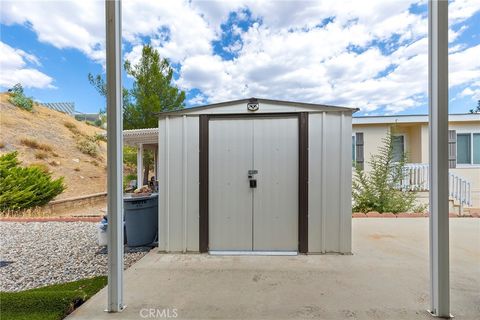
{"x":233,"y":107}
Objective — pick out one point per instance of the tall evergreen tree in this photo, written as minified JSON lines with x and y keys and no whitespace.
{"x":152,"y":92}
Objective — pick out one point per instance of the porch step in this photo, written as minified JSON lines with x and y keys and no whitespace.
{"x":472,"y":211}
{"x":455,"y":207}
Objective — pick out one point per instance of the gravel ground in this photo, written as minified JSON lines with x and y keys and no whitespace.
{"x":35,"y":254}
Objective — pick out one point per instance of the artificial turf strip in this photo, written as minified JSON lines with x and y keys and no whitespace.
{"x":48,"y":303}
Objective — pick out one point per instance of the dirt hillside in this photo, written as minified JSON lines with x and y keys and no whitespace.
{"x":50,"y":139}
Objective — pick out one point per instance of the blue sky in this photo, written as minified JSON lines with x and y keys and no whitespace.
{"x":334,"y":52}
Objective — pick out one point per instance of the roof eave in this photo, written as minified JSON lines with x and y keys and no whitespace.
{"x":232,"y":102}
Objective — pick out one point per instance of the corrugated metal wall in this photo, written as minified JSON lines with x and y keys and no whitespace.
{"x":230,"y":201}
{"x":330,"y":182}
{"x":178,"y":178}
{"x":330,"y":170}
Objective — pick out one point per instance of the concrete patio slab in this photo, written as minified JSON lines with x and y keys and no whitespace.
{"x":385,"y":278}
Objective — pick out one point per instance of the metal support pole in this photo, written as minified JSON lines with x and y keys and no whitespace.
{"x":155,"y":164}
{"x":114,"y":155}
{"x":140,"y":165}
{"x":438,"y":135}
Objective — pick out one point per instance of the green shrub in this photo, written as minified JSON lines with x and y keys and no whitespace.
{"x":127,"y":178}
{"x":88,"y":145}
{"x":100,"y":137}
{"x":96,"y":123}
{"x":18,"y":98}
{"x":25,"y":187}
{"x":130,"y":156}
{"x":378,"y":190}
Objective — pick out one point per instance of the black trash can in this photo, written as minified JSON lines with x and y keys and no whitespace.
{"x":141,"y":219}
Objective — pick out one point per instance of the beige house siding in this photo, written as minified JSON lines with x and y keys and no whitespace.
{"x":373,"y":135}
{"x":416,"y":146}
{"x":413,"y":140}
{"x":372,"y":139}
{"x":424,"y":130}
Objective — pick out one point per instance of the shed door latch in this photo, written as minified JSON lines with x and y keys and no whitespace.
{"x":251,"y":179}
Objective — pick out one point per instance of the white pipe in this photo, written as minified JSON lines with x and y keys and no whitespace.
{"x":155,"y":160}
{"x":438,"y":151}
{"x":139,"y":165}
{"x":114,"y":155}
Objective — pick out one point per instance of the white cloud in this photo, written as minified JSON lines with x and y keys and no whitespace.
{"x":81,"y":25}
{"x":177,"y":29}
{"x":368,"y":55}
{"x":464,"y":66}
{"x":460,"y":10}
{"x":315,"y":65}
{"x":472,"y":92}
{"x":302,"y":14}
{"x":233,"y":47}
{"x":14,"y":67}
{"x":456,"y":48}
{"x":286,"y":57}
{"x":199,"y":99}
{"x":63,"y":24}
{"x":453,"y":35}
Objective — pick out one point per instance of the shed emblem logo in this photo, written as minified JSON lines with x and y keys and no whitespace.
{"x":252,"y":106}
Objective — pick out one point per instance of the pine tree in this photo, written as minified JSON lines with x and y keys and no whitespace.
{"x":25,"y":187}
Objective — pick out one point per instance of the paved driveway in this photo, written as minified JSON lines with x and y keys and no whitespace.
{"x":386,"y":278}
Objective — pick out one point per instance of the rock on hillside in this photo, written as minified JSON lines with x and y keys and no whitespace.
{"x":52,"y":144}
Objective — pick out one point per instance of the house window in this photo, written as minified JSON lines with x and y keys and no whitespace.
{"x":398,"y":143}
{"x":476,"y":148}
{"x":463,"y":148}
{"x":468,"y":148}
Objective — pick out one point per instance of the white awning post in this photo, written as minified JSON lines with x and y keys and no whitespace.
{"x":114,"y":155}
{"x":139,"y":165}
{"x":438,"y":135}
{"x":155,"y":164}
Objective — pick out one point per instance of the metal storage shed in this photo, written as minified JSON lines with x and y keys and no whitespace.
{"x":255,"y":175}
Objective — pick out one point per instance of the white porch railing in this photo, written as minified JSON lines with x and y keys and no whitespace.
{"x":416,"y":178}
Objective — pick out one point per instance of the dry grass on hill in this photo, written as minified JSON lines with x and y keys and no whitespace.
{"x":53,"y":140}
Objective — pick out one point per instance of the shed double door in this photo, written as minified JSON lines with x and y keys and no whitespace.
{"x":253,"y":184}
